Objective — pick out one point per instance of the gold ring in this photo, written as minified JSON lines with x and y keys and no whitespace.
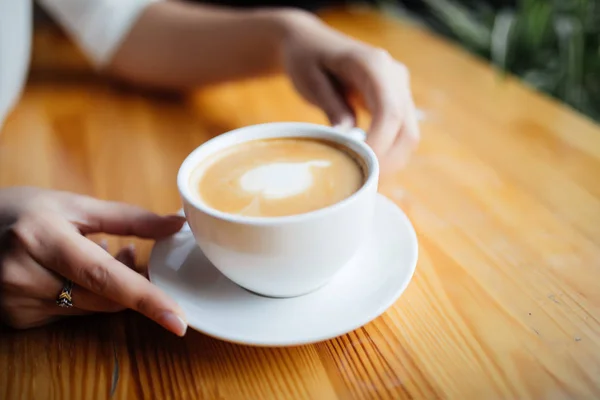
{"x":65,"y":298}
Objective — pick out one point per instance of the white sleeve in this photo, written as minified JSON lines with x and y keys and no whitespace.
{"x":97,"y":26}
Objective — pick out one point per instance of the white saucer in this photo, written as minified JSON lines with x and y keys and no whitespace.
{"x":359,"y":293}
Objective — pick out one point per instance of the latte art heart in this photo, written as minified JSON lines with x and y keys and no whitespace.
{"x":278,"y":177}
{"x":280,"y":180}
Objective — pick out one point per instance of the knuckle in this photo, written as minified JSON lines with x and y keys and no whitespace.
{"x":395,"y":114}
{"x":40,"y":202}
{"x":403,"y":71}
{"x":33,"y":233}
{"x":95,"y":277}
{"x":312,"y":82}
{"x":143,"y":305}
{"x":34,"y":197}
{"x":412,"y":141}
{"x":77,"y":203}
{"x":11,"y":276}
{"x":74,"y":203}
{"x":352,"y":61}
{"x":414,"y":134}
{"x":348,"y":57}
{"x":31,"y":229}
{"x":370,"y":57}
{"x":377,"y":58}
{"x":25,"y":229}
{"x":414,"y":138}
{"x":381,"y":55}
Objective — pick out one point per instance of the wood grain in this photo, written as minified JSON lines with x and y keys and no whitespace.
{"x":504,"y":193}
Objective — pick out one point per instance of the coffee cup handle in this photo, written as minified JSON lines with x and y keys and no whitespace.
{"x":354,"y":132}
{"x":357,"y":134}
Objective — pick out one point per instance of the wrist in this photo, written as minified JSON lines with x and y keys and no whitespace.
{"x":286,"y":22}
{"x":290,"y":20}
{"x":285,"y":25}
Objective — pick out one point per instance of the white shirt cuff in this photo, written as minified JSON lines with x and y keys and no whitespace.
{"x":97,"y":26}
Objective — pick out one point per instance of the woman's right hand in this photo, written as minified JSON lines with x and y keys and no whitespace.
{"x":43,"y":243}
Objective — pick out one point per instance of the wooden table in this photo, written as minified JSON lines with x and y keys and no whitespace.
{"x":504,"y":193}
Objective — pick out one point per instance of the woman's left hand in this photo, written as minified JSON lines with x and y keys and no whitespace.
{"x":43,"y":247}
{"x":328,"y":67}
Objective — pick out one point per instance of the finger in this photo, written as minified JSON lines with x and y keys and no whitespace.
{"x":71,"y":255}
{"x":387,"y":115}
{"x":23,"y":275}
{"x":406,"y":141}
{"x":385,"y":124}
{"x":93,"y":216}
{"x":40,"y":283}
{"x":86,"y":302}
{"x":320,"y":89}
{"x":90,"y":302}
{"x":382,"y":83}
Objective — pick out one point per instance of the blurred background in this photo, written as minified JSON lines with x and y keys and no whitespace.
{"x":552,"y":45}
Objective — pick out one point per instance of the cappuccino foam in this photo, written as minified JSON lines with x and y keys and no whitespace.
{"x":280,"y":180}
{"x":277,"y":177}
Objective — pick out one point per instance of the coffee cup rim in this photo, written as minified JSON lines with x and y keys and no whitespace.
{"x":291,"y":129}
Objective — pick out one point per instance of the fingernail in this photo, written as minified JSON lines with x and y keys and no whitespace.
{"x":131,"y":248}
{"x":173,"y":322}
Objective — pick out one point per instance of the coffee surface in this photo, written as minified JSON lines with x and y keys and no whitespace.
{"x":277,"y":177}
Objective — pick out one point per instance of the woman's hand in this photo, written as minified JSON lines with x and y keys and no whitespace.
{"x":43,"y":243}
{"x":182,"y":45}
{"x":327,"y":67}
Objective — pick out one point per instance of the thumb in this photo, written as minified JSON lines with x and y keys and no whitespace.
{"x":94,"y":216}
{"x":324,"y":92}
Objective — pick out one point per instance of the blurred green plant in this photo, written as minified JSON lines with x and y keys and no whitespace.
{"x":553,"y":45}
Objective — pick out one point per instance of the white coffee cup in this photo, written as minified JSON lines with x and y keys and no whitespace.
{"x":281,"y":256}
